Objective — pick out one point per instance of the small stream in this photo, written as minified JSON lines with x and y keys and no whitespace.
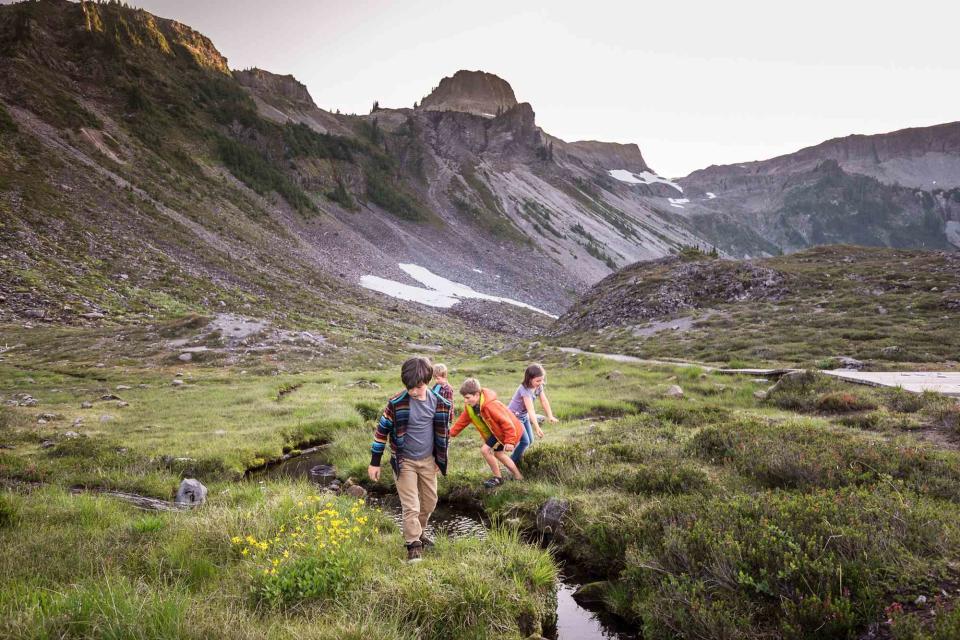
{"x":574,"y":621}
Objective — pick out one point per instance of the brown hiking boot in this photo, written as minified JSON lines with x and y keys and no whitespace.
{"x":415,"y":551}
{"x":426,"y":541}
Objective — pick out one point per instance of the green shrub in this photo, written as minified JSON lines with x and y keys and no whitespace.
{"x":777,"y":564}
{"x":843,"y":402}
{"x":7,"y":125}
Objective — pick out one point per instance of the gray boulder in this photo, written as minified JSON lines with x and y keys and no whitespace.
{"x":847,"y":362}
{"x":191,"y":492}
{"x":550,"y":518}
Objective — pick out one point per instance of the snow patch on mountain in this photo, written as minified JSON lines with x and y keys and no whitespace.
{"x":437,"y":290}
{"x":678,"y":202}
{"x":644,"y":177}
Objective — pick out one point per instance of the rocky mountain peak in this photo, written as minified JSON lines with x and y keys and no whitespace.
{"x":474,"y":92}
{"x":266,"y":83}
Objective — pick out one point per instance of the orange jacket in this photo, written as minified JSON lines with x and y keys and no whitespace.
{"x":504,"y":426}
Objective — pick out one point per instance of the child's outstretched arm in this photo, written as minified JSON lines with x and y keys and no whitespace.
{"x":532,"y":416}
{"x":460,"y":424}
{"x":546,"y":407}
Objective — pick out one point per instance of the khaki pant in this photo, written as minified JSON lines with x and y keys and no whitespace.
{"x":417,"y":486}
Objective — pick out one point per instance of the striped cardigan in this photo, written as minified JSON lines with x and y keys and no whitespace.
{"x":392,"y":428}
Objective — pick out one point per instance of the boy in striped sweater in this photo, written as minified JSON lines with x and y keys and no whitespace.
{"x":416,"y":423}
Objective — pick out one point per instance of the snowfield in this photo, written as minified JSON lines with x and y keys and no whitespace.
{"x":437,"y":290}
{"x":644,"y":177}
{"x":678,"y":202}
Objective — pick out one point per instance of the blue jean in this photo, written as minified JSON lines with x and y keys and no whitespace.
{"x":526,"y":439}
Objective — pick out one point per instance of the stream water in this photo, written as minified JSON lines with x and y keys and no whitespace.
{"x":574,"y":621}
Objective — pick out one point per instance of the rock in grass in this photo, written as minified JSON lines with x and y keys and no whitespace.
{"x":592,"y":592}
{"x":550,"y":517}
{"x":356,"y":491}
{"x":86,"y":405}
{"x":674,"y":392}
{"x":191,"y":492}
{"x":177,"y":382}
{"x":760,"y":395}
{"x":121,"y":404}
{"x":123,"y":387}
{"x":71,"y":435}
{"x":185,"y":357}
{"x":847,"y":362}
{"x":47,"y":444}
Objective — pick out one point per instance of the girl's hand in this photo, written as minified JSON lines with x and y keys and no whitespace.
{"x":539,"y":432}
{"x":553,"y":420}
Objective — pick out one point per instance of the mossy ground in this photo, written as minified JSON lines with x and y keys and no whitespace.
{"x":718,"y":514}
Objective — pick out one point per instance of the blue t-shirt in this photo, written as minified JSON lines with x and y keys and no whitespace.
{"x":516,"y":403}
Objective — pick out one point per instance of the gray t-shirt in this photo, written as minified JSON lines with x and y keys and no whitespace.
{"x":516,"y":403}
{"x":419,"y":440}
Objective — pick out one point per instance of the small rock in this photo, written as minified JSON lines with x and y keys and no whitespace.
{"x":177,"y":383}
{"x":921,"y":600}
{"x":191,"y":492}
{"x":110,"y":396}
{"x":77,"y":422}
{"x":889,"y":351}
{"x":178,"y":374}
{"x":760,"y":395}
{"x":881,"y":310}
{"x":41,"y":421}
{"x":674,"y":392}
{"x":71,"y":435}
{"x":49,"y":417}
{"x":121,"y":404}
{"x":356,"y":491}
{"x":86,"y":405}
{"x":615,"y":375}
{"x":29,"y":402}
{"x":123,"y":387}
{"x":185,"y":357}
{"x":99,"y":365}
{"x":106,"y":418}
{"x":47,"y":444}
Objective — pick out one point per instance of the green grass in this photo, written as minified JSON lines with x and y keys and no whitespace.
{"x":748,"y":509}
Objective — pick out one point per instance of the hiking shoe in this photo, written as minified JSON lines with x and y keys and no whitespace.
{"x":426,"y":541}
{"x":493,"y":483}
{"x":415,"y":552}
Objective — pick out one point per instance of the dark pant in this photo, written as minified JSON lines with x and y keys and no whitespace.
{"x":526,"y":438}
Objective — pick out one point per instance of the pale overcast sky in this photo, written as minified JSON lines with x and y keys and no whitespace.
{"x":693,"y":83}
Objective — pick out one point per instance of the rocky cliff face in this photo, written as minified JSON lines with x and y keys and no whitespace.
{"x":476,"y":92}
{"x":284,"y":87}
{"x":900,"y":189}
{"x":608,"y":155}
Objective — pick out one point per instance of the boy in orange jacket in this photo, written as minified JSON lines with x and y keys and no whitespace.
{"x":497,"y":425}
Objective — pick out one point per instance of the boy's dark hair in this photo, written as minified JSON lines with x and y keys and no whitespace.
{"x":470,"y":385}
{"x":533,"y":371}
{"x":416,"y":371}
